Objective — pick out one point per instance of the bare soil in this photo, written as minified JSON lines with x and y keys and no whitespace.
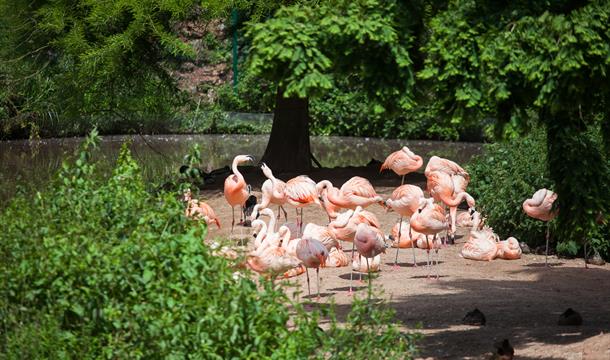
{"x":521,"y":299}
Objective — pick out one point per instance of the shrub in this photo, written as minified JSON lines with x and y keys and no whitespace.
{"x":97,"y":267}
{"x":509,"y":172}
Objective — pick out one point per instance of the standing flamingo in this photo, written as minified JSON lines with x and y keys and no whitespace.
{"x":441,"y":188}
{"x":313,"y":254}
{"x":540,"y":207}
{"x":405,"y":201}
{"x":274,"y":192}
{"x":429,"y":219}
{"x":370,"y":242}
{"x":235,"y":190}
{"x":447,"y":166}
{"x":357,"y":191}
{"x":300,"y":192}
{"x":402,"y":162}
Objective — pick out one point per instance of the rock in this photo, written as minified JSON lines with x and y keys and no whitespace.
{"x":474,"y":317}
{"x":504,"y":351}
{"x":570,"y":318}
{"x":525,"y":249}
{"x":596,"y":259}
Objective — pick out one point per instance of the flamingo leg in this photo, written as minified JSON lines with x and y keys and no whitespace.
{"x":368,"y":269}
{"x":428,"y":264}
{"x":284,"y":211}
{"x":413,"y":244}
{"x":453,"y":213}
{"x":586,"y":266}
{"x":318,"y":281}
{"x":360,"y":261}
{"x":403,"y":180}
{"x":301,"y":222}
{"x":546,"y":251}
{"x":233,"y":221}
{"x":398,"y":244}
{"x":438,"y":275}
{"x":308,"y":288}
{"x":351,"y":272}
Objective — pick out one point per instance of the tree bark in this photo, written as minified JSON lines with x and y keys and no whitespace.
{"x":288,"y":149}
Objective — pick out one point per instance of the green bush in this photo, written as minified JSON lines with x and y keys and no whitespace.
{"x":504,"y":176}
{"x":99,"y":268}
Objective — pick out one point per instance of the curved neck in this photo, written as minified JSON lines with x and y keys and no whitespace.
{"x":260,"y":236}
{"x":458,"y":198}
{"x":235,"y":170}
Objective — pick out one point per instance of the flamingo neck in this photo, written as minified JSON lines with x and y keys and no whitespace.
{"x":260,"y":236}
{"x":236,"y":170}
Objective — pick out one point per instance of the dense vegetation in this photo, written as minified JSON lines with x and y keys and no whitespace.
{"x":509,"y":172}
{"x":99,"y":268}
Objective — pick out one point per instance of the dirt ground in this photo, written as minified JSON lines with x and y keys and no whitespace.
{"x":521,"y":299}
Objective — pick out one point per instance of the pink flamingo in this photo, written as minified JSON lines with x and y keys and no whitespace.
{"x":447,"y":166}
{"x":369,"y":242}
{"x":405,"y":201}
{"x":441,"y":188}
{"x":540,"y":207}
{"x":336,"y":258}
{"x":481,"y":245}
{"x":313,"y":254}
{"x":402,"y":162}
{"x":199,"y":210}
{"x":235,"y":189}
{"x":274,"y":192}
{"x":429,"y":219}
{"x":357,"y":191}
{"x":509,"y":249}
{"x":300,"y":192}
{"x":272,"y":261}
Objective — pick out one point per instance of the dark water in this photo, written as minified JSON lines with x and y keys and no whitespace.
{"x":33,"y":162}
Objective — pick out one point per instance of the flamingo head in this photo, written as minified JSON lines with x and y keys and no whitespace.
{"x":322,"y":186}
{"x":266,"y":170}
{"x":240,"y":159}
{"x":407,"y":151}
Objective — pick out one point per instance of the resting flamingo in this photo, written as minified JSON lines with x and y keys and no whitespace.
{"x":405,"y":201}
{"x":540,"y":207}
{"x":369,"y":242}
{"x":235,"y":189}
{"x":441,"y":188}
{"x":357,"y":191}
{"x":481,"y":245}
{"x":402,"y":162}
{"x":345,"y":225}
{"x":200,"y":210}
{"x":509,"y":249}
{"x":429,"y":219}
{"x":273,"y":190}
{"x":336,"y":258}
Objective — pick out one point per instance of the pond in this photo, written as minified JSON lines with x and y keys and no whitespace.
{"x":32,"y":162}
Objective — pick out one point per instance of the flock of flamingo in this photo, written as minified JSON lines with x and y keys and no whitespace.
{"x":293,"y":248}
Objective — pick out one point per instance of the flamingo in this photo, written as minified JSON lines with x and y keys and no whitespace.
{"x":509,"y":249}
{"x":481,"y":245}
{"x":336,"y":258}
{"x":408,"y":237}
{"x":199,"y":210}
{"x":272,"y":261}
{"x":313,"y":254}
{"x":300,"y":192}
{"x":235,"y":189}
{"x":429,"y":219}
{"x":405,"y":201}
{"x":464,"y":219}
{"x":540,"y":207}
{"x":441,"y":188}
{"x":273,"y":190}
{"x":361,"y":266}
{"x":369,"y":242}
{"x":402,"y":162}
{"x":447,"y":166}
{"x":357,"y":191}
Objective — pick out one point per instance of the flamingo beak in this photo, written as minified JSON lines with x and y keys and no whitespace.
{"x":251,"y":158}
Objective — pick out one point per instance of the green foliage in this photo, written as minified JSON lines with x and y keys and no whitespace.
{"x":99,"y":268}
{"x":506,"y":174}
{"x":306,"y":48}
{"x":503,"y":59}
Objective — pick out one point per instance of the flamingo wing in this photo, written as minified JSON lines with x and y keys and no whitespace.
{"x":301,"y":190}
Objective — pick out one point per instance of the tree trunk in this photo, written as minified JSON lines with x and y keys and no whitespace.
{"x":288,"y":149}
